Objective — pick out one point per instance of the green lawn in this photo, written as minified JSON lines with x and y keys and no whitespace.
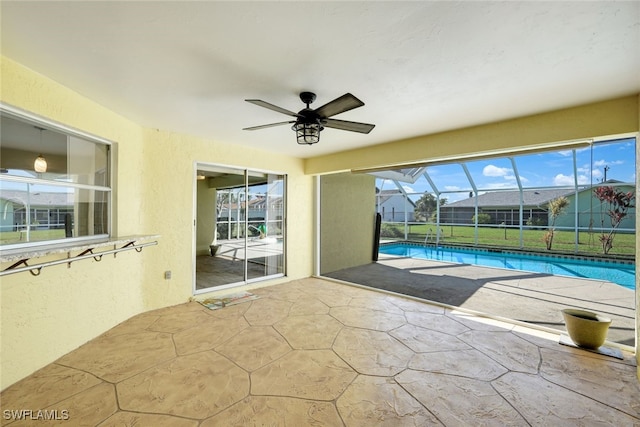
{"x":563,"y":241}
{"x":13,"y":237}
{"x":623,"y":244}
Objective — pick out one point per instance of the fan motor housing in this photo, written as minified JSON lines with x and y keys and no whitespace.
{"x":308,"y":115}
{"x":307,"y":97}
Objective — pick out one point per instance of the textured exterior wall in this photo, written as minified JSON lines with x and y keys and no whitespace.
{"x":347,"y":219}
{"x":44,"y":317}
{"x":168,"y":202}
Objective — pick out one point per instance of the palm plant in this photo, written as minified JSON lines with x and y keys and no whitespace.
{"x":556,"y":208}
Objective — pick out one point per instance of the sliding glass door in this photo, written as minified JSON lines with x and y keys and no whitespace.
{"x":240,"y":226}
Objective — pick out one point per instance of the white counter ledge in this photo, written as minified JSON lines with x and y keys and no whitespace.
{"x":85,"y":249}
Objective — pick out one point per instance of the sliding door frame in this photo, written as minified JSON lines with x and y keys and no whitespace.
{"x":213,"y":167}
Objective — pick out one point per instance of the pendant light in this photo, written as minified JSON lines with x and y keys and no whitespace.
{"x":40,"y":164}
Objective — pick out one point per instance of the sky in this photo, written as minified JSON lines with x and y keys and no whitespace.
{"x":550,"y":169}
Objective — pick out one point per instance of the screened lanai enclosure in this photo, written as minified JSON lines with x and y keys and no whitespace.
{"x":577,"y":199}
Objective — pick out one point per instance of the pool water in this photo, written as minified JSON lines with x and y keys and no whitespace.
{"x":619,"y":273}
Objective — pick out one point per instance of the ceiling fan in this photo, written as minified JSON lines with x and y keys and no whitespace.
{"x":310,"y":122}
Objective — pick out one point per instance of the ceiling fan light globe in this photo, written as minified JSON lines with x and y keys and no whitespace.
{"x":307,"y":133}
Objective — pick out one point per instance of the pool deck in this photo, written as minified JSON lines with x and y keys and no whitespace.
{"x":534,"y":298}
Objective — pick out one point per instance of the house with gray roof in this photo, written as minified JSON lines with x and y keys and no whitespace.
{"x":504,"y":207}
{"x":47,"y":210}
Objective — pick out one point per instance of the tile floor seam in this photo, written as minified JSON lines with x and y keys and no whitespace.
{"x":265,"y":365}
{"x":569,"y":389}
{"x":156,"y":364}
{"x":117,"y":395}
{"x":540,"y":358}
{"x":343,"y":359}
{"x":175,"y":346}
{"x":101,"y":381}
{"x":85,"y":371}
{"x":508,"y":402}
{"x":401,"y":341}
{"x":70,"y":397}
{"x":592,"y":398}
{"x":221,"y":355}
{"x":416,"y":399}
{"x":489,"y":356}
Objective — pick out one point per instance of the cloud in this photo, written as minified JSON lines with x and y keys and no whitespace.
{"x":513,"y":178}
{"x":506,"y":173}
{"x":568,"y":180}
{"x":601,"y":163}
{"x":408,"y":189}
{"x":491,"y":170}
{"x":583,"y":179}
{"x":584,"y":172}
{"x":451,"y":188}
{"x":561,"y":179}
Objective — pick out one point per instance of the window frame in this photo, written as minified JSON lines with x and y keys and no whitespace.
{"x":39,"y":121}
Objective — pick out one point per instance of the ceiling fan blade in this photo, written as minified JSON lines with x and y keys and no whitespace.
{"x":339,"y":105}
{"x":269,"y":125}
{"x":271,"y":107}
{"x":346,"y":125}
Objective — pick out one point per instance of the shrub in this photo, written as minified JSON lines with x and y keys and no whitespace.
{"x":556,"y":208}
{"x":388,"y":230}
{"x":483,"y":218}
{"x":535,"y":222}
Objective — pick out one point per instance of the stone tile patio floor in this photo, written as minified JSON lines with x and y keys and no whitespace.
{"x":317,"y":352}
{"x":524,"y":296}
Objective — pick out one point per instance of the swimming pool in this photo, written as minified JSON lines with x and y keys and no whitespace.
{"x":622,"y":274}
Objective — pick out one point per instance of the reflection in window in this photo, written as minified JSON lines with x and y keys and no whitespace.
{"x":63,"y":195}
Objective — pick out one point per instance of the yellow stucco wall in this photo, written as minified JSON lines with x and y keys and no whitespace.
{"x":45,"y":317}
{"x":347,"y":203}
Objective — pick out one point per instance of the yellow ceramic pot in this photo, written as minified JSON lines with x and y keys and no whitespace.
{"x":585,"y":328}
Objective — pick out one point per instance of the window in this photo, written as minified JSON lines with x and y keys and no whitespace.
{"x":55,"y":183}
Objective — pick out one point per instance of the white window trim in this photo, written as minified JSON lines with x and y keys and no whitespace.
{"x":26,"y":116}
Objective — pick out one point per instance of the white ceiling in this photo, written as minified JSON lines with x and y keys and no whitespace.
{"x":420,"y":67}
